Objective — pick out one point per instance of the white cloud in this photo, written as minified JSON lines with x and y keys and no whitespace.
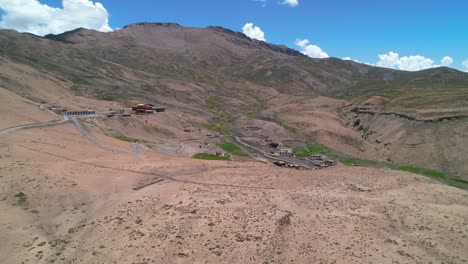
{"x":253,"y":32}
{"x":310,"y":50}
{"x":292,"y":3}
{"x":465,"y":65}
{"x":446,"y":61}
{"x":349,"y":59}
{"x":415,"y":63}
{"x":358,"y":61}
{"x":40,"y":19}
{"x":410,"y":63}
{"x":389,"y":60}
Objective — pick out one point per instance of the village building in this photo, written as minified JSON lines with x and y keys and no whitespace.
{"x":286,"y":152}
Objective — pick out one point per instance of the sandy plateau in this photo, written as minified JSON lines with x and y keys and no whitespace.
{"x":63,"y":200}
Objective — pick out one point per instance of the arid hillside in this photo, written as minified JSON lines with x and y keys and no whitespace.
{"x":419,"y":118}
{"x":64,"y":200}
{"x":282,"y":129}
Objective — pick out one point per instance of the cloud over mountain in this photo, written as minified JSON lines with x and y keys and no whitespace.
{"x":253,"y":32}
{"x":310,"y":50}
{"x":465,"y":65}
{"x":410,"y":63}
{"x":40,"y":19}
{"x":446,"y":61}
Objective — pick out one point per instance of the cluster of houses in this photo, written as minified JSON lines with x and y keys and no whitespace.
{"x":284,"y":152}
{"x":139,"y":109}
{"x":317,"y":161}
{"x":287,"y":165}
{"x":63,"y":111}
{"x":147,"y":109}
{"x":320,"y":161}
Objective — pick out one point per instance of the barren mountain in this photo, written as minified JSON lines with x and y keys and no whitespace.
{"x":419,"y":119}
{"x":125,"y":189}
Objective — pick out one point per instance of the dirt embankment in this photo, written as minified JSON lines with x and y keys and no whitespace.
{"x":437,"y":143}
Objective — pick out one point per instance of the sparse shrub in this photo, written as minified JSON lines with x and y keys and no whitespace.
{"x":240,"y":238}
{"x":285,"y":220}
{"x":207,"y":156}
{"x":182,"y":254}
{"x":22,"y":198}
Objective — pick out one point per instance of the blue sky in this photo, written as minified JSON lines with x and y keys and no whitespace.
{"x":359,"y":29}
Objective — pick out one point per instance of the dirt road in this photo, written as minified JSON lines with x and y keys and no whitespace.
{"x":85,"y":133}
{"x":82,"y":130}
{"x":36,"y":125}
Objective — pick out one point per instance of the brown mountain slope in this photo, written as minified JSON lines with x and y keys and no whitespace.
{"x":185,"y":68}
{"x":67,"y":200}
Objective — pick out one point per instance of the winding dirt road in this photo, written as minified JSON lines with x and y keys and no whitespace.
{"x":79,"y":126}
{"x":85,"y":133}
{"x":35,"y":125}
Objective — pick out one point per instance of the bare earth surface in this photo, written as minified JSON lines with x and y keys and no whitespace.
{"x":80,"y":206}
{"x":65,"y":199}
{"x":26,"y":111}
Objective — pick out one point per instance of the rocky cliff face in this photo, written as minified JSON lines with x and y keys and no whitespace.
{"x":435,"y":140}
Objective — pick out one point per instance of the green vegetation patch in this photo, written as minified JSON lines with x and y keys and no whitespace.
{"x":206,"y":156}
{"x":357,"y":162}
{"x":21,"y":198}
{"x":421,"y":171}
{"x":221,"y":124}
{"x":233,"y":149}
{"x":125,"y":138}
{"x":211,"y":105}
{"x":301,"y":152}
{"x":432,"y":174}
{"x":312,"y":149}
{"x":316,"y":149}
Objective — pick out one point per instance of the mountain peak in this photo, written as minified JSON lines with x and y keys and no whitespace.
{"x":244,"y":38}
{"x":151,"y":24}
{"x":229,"y":32}
{"x":69,"y":36}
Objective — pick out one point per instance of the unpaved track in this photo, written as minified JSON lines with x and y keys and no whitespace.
{"x":36,"y":125}
{"x":85,"y":133}
{"x":136,"y":150}
{"x":63,"y":120}
{"x":182,"y":145}
{"x":79,"y":126}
